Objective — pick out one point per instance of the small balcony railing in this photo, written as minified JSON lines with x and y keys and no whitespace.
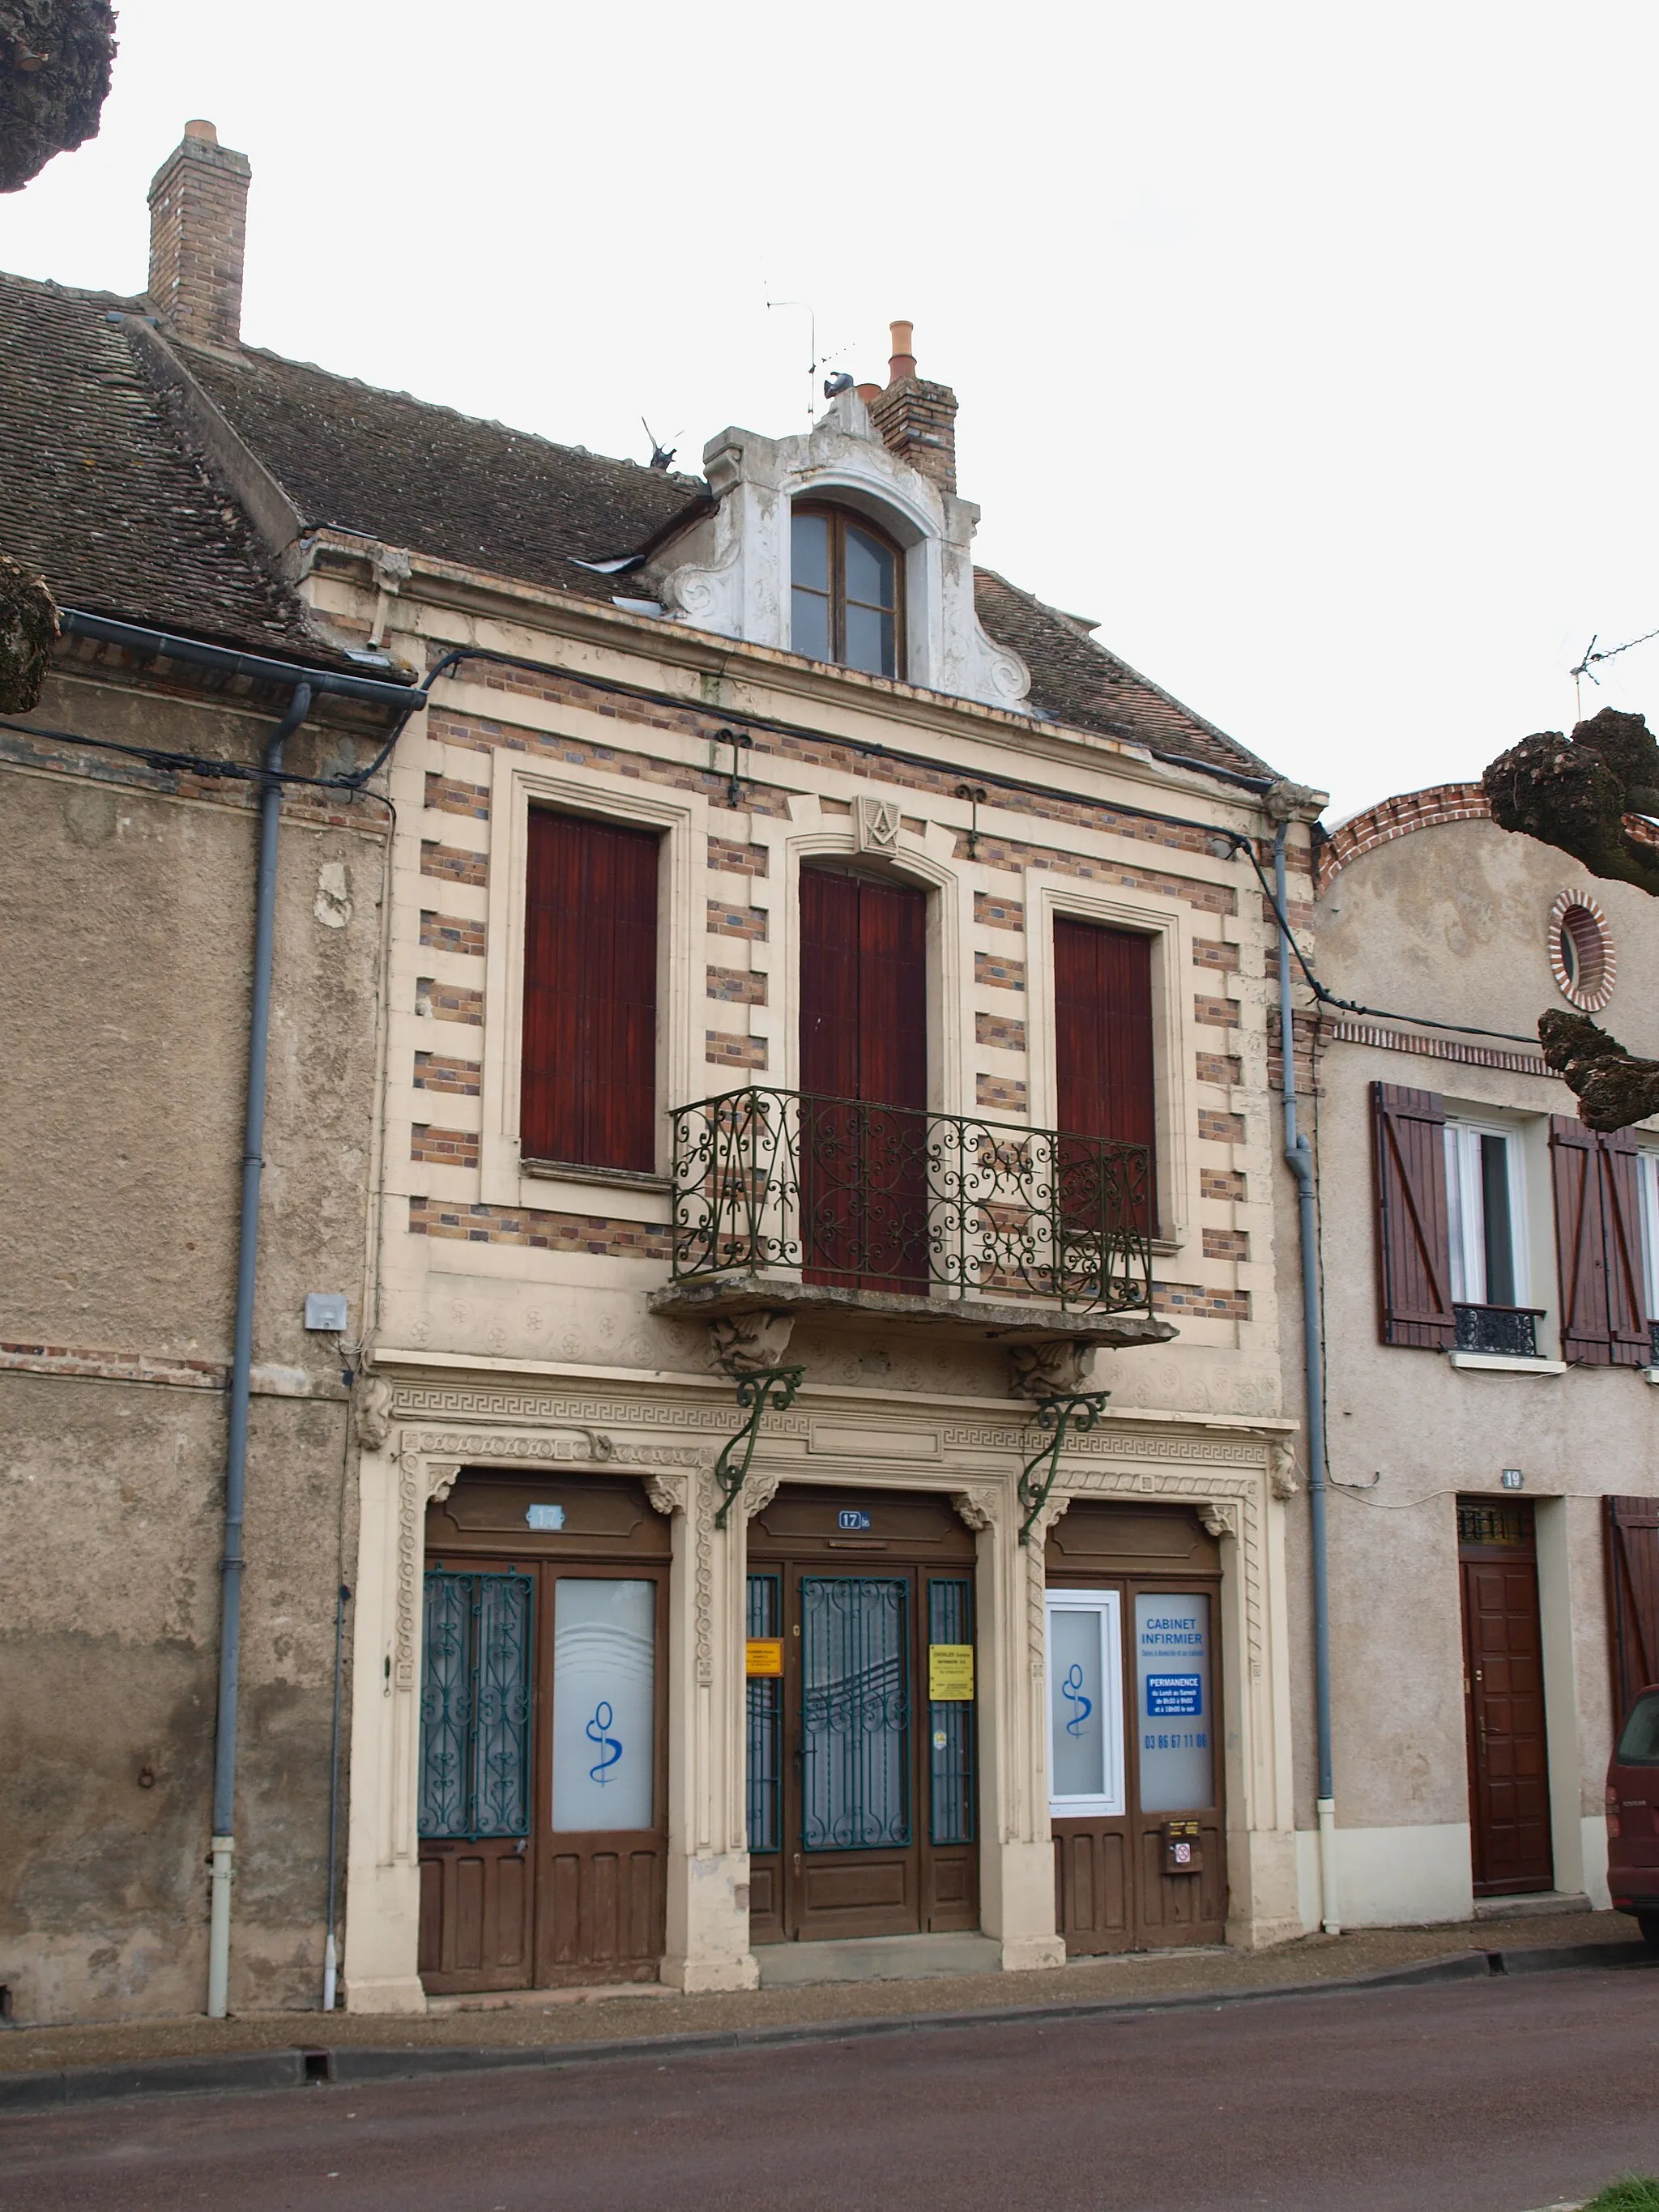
{"x":1510,"y":1331}
{"x":862,"y":1197}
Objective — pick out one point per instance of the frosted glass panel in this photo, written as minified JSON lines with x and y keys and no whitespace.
{"x":604,"y":1704}
{"x":1175,"y":1721}
{"x":1085,"y":1704}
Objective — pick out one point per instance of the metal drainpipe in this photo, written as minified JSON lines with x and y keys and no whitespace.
{"x":241,"y":1367}
{"x":1298,"y":1158}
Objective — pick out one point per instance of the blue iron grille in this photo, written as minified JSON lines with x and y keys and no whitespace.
{"x":765,"y":1722}
{"x":951,"y":1723}
{"x":855,"y":1713}
{"x":475,"y":1704}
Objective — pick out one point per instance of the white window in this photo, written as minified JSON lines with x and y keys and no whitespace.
{"x":1647,"y":1171}
{"x":1086,"y":1705}
{"x":1486,"y":1201}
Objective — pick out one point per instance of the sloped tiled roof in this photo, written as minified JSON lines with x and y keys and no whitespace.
{"x":1079,"y":682}
{"x":439,"y":482}
{"x":100,"y":493}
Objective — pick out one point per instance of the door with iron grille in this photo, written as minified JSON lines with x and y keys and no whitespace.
{"x":543,"y":1780}
{"x":861,"y":1781}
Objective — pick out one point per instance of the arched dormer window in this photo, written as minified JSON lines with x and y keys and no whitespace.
{"x":846,"y":590}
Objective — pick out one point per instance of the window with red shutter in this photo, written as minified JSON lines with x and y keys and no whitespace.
{"x":1413,"y":1243}
{"x":588,"y":1094}
{"x":1105,"y":1084}
{"x":1598,"y":1244}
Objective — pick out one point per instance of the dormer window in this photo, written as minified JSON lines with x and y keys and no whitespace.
{"x":847,"y":596}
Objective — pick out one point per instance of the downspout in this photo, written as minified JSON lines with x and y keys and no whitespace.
{"x":1298,"y":1158}
{"x":242,"y":1364}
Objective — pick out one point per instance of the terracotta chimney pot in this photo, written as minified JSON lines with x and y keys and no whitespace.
{"x":903,"y":363}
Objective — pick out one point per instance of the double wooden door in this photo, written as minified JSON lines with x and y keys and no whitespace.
{"x":1135,"y":1766}
{"x":861,"y":1781}
{"x":864,"y":1081}
{"x":542,"y":1797}
{"x":1504,"y":1698}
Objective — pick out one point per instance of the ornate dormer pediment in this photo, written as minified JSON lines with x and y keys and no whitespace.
{"x":730,"y":573}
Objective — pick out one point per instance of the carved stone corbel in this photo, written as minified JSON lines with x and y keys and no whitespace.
{"x":1220,"y":1518}
{"x":976,"y":1507}
{"x":1282,"y":1471}
{"x":758,"y":1493}
{"x":371,"y":1411}
{"x":738,"y":1344}
{"x":668,"y":1493}
{"x":1060,"y":1367}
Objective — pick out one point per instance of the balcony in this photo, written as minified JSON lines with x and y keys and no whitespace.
{"x":824,"y":1205}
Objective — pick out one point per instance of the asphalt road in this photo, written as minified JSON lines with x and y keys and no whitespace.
{"x":1471,"y":2097}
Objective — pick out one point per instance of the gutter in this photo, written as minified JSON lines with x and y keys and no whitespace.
{"x":1298,"y":1158}
{"x":303,"y":685}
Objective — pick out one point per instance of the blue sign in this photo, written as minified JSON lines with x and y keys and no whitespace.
{"x":544,"y":1517}
{"x":1072,"y":1690}
{"x":1168,"y":1695}
{"x":852,"y":1519}
{"x":610,"y":1749}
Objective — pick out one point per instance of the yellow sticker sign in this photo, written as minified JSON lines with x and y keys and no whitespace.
{"x":763,"y":1655}
{"x":950,"y":1672}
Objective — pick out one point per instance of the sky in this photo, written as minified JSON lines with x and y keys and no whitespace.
{"x":1307,"y":348}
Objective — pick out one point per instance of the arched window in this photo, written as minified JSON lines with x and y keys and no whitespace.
{"x":847,"y":597}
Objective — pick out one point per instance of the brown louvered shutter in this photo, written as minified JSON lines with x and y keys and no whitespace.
{"x":1632,"y":1526}
{"x":589,"y":1068}
{"x":1580,"y":1249}
{"x":1621,"y":1239}
{"x":1413,"y":1243}
{"x":1103,"y":1066}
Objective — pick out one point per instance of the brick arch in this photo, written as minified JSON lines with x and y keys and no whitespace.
{"x":1397,"y":818}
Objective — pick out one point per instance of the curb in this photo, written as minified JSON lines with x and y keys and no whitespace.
{"x":293,"y":2069}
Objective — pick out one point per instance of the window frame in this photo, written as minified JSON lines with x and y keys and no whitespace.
{"x":1647,"y":1173}
{"x":1107,"y":1606}
{"x":1465,"y":1211}
{"x":840,"y":520}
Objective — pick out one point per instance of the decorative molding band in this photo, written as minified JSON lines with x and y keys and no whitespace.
{"x":1343,"y":1031}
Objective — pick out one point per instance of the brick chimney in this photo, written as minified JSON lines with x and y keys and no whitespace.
{"x":915,"y":419}
{"x":197,"y":231}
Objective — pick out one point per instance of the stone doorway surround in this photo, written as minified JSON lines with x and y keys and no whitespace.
{"x":423,"y":1417}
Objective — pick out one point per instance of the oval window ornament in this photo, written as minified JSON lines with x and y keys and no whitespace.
{"x":1582,"y":957}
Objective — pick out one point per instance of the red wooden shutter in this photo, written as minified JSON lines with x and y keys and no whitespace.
{"x":589,"y":1069}
{"x":1632,"y":1525}
{"x":1621,"y":1239}
{"x":1413,"y":1243}
{"x":1104,"y":1032}
{"x":1580,"y":1248}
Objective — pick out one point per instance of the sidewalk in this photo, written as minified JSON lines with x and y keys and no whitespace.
{"x":541,"y":2019}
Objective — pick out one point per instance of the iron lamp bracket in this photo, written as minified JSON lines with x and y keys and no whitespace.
{"x":764,"y":1390}
{"x":1076,"y":1411}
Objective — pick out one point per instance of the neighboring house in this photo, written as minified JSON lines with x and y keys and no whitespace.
{"x":127,"y":886}
{"x":825,"y":986}
{"x":1490,"y":1300}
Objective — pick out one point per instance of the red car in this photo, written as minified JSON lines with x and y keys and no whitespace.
{"x":1633,"y":1817}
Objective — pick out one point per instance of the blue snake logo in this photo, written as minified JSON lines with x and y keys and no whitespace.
{"x":611,"y":1749}
{"x":1072,"y":1689}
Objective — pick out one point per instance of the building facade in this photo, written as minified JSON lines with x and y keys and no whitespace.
{"x":1489,"y":1305}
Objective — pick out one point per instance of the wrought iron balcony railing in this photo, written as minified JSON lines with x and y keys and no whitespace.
{"x":838,"y":1192}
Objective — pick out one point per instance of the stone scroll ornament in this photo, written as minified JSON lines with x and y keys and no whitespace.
{"x":1588,"y":795}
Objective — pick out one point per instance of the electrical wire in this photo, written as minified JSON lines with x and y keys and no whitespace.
{"x":201,"y":764}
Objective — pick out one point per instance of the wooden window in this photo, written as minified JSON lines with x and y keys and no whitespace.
{"x":589,"y":1087}
{"x":1414,"y":1241}
{"x":1598,"y":1239}
{"x":1486,"y":1192}
{"x":1103,"y":1067}
{"x":847,"y":591}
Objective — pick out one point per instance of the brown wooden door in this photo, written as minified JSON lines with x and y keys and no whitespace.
{"x":1632,"y":1526}
{"x":543,"y":1771}
{"x":1103,"y":1073}
{"x":1504,"y":1699}
{"x":871,"y":1830}
{"x":1113,"y":1890}
{"x":864,"y":1064}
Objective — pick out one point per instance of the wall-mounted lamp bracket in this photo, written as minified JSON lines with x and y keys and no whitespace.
{"x":1077,"y":1411}
{"x":766,"y":1389}
{"x":975,"y":795}
{"x":740,"y":742}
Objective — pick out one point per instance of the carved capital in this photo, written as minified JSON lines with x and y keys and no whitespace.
{"x":441,"y":1478}
{"x":668,"y":1493}
{"x":1060,"y":1367}
{"x":758,"y":1493}
{"x":739,"y":1343}
{"x":1220,"y":1519}
{"x":976,"y":1507}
